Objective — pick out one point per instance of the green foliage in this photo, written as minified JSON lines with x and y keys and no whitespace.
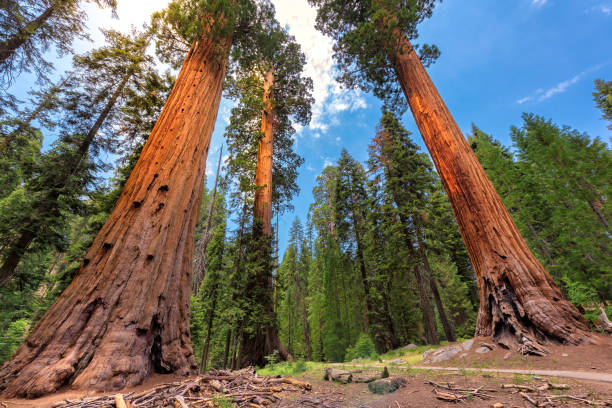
{"x":13,"y":337}
{"x":556,"y":185}
{"x":363,"y":348}
{"x":603,"y":99}
{"x":366,"y":43}
{"x":29,"y":28}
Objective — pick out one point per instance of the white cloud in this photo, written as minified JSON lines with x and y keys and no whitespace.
{"x":561,"y":87}
{"x":601,"y":8}
{"x":538,"y":3}
{"x":131,"y":13}
{"x":330,"y":98}
{"x":523,"y":100}
{"x":327,"y":162}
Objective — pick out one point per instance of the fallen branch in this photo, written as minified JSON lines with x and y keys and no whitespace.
{"x":244,"y":388}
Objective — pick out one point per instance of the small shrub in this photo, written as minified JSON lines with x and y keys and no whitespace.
{"x":364,"y":348}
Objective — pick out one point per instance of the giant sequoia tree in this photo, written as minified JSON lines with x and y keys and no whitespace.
{"x":273,"y":93}
{"x":519,"y":301}
{"x":125,"y":314}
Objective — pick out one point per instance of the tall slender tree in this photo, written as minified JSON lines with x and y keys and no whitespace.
{"x":100,"y":335}
{"x":29,"y":28}
{"x":119,"y":65}
{"x":519,"y":302}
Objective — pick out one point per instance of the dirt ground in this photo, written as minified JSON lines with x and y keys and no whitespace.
{"x":419,"y":393}
{"x":594,"y":357}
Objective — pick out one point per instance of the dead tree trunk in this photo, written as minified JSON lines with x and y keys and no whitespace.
{"x":264,"y":340}
{"x":518,"y":298}
{"x":200,"y":264}
{"x":126,"y":313}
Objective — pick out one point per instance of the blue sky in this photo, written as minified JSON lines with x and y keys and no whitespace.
{"x":499,"y":59}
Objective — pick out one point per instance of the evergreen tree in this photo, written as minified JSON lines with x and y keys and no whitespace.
{"x":146,"y":219}
{"x":555,"y":185}
{"x":28,"y":28}
{"x":90,"y":100}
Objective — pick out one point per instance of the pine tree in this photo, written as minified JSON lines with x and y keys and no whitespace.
{"x":29,"y":28}
{"x":519,"y":302}
{"x":90,"y":101}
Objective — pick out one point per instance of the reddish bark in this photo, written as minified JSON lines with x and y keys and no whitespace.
{"x":263,"y":174}
{"x":518,"y":298}
{"x":126,"y":313}
{"x":254,"y":346}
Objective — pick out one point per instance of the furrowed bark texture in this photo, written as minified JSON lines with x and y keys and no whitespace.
{"x":126,"y":313}
{"x":263,"y":174}
{"x":518,"y":298}
{"x":265,"y":339}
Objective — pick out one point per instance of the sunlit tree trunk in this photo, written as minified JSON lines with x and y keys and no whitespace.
{"x":518,"y":298}
{"x":264,"y":340}
{"x":126,"y":313}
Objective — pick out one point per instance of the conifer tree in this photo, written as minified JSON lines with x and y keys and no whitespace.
{"x":90,"y":101}
{"x":29,"y":28}
{"x":270,"y":85}
{"x":519,"y":302}
{"x":555,"y":186}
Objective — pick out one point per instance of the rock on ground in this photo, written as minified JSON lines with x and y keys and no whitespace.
{"x":387,"y":385}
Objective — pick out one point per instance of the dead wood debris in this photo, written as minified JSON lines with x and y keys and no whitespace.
{"x":456,"y":394}
{"x":244,"y":388}
{"x":533,"y":394}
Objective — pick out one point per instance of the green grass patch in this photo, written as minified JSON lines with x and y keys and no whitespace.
{"x":291,"y":368}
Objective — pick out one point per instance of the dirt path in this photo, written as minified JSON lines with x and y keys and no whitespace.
{"x":577,"y":375}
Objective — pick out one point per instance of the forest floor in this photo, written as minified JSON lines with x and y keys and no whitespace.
{"x":426,"y":384}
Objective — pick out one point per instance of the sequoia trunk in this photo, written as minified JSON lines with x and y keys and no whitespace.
{"x":264,"y":339}
{"x":263,"y":174}
{"x":126,"y":313}
{"x":518,"y":298}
